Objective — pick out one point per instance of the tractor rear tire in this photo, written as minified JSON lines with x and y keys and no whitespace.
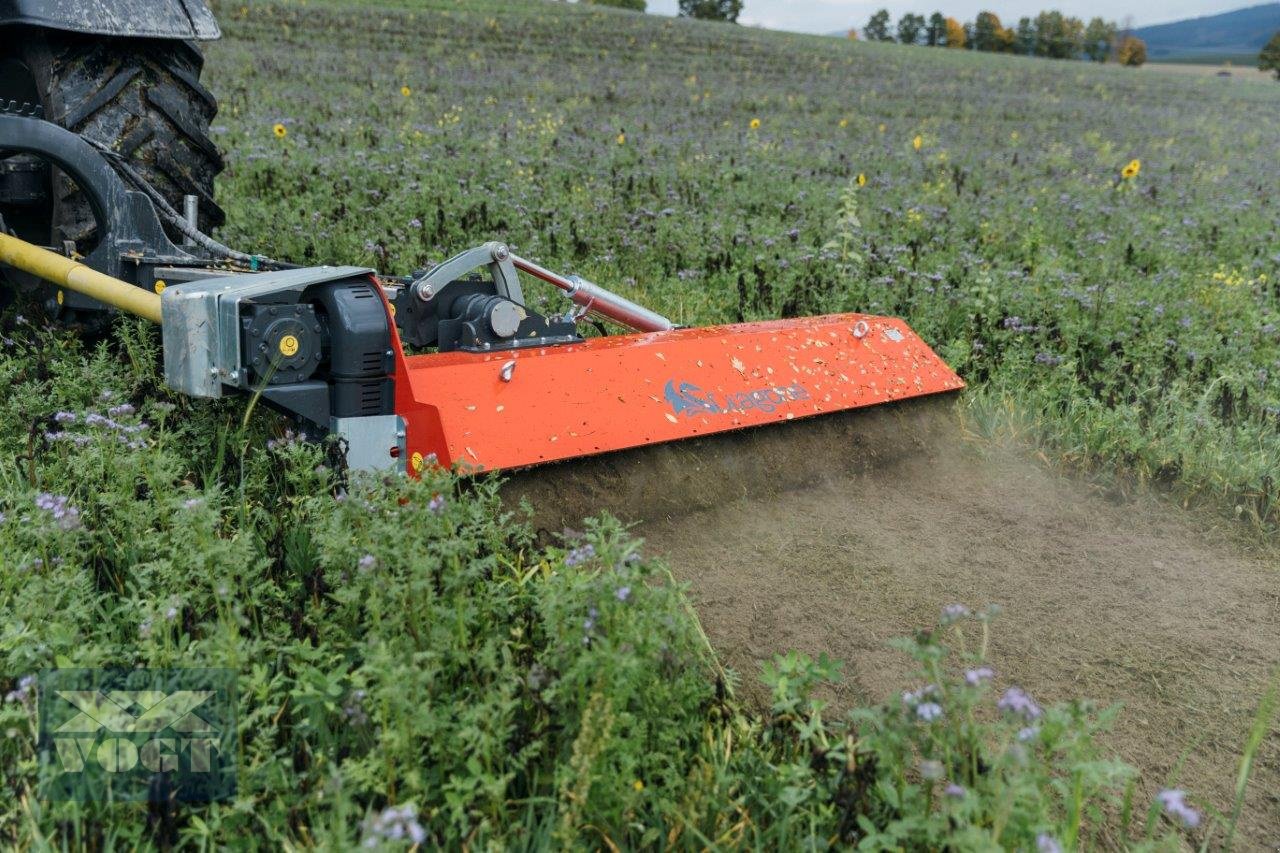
{"x":140,"y":97}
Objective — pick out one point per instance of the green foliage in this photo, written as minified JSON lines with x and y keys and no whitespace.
{"x":936,"y":33}
{"x":1269,"y":58}
{"x":635,"y":5}
{"x":1098,"y":38}
{"x":468,"y":671}
{"x":711,"y":10}
{"x":910,"y":28}
{"x":409,"y":661}
{"x":877,"y":28}
{"x":1131,"y":52}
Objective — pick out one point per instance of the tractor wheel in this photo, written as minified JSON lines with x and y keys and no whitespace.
{"x":141,"y":97}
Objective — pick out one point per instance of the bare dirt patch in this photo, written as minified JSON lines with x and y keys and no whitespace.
{"x":1137,"y":602}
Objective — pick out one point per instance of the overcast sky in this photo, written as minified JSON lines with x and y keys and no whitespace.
{"x":824,"y":16}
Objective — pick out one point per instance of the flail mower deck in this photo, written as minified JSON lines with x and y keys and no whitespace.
{"x":496,"y":386}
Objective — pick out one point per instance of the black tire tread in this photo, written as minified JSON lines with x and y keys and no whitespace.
{"x":145,"y":101}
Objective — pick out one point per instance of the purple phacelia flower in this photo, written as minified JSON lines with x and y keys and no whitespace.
{"x":367,"y":562}
{"x":952,"y":612}
{"x":623,"y":593}
{"x":121,"y":411}
{"x":1028,"y":734}
{"x":914,"y":697}
{"x":354,"y":710}
{"x":1016,"y":701}
{"x":974,"y":677}
{"x":393,"y":824}
{"x":1174,"y":804}
{"x":436,"y":504}
{"x":580,"y":555}
{"x":60,"y":508}
{"x":24,"y":693}
{"x":928,"y":711}
{"x":954,"y":790}
{"x":1046,"y":843}
{"x":65,"y":417}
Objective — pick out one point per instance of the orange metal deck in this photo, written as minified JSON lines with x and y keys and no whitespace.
{"x":623,"y":391}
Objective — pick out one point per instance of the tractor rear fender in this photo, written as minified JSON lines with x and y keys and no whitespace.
{"x":168,"y":19}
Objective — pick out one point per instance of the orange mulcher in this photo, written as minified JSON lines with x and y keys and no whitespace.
{"x":495,"y":384}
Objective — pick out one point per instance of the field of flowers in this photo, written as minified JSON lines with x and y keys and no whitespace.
{"x":722,"y":173}
{"x":1096,"y":251}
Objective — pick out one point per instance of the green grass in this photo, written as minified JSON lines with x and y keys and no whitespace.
{"x":1243,"y":59}
{"x":405,"y":644}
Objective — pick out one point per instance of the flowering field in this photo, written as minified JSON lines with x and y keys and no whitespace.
{"x":1096,"y":251}
{"x":1099,"y":245}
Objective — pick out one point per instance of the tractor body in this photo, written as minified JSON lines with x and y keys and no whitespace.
{"x":162,"y":19}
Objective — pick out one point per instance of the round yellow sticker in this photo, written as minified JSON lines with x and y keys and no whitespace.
{"x":160,"y":285}
{"x":288,"y":346}
{"x":416,"y":461}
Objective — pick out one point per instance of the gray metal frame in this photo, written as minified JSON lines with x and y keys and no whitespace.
{"x":201,"y":324}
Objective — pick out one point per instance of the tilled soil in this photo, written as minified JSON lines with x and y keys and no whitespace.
{"x":1136,"y":602}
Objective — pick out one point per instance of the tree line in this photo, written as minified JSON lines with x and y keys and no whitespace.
{"x":1050,"y":34}
{"x":710,"y":10}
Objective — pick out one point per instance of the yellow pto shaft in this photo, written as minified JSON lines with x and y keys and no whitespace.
{"x":64,"y":272}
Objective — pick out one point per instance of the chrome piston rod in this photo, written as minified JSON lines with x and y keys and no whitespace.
{"x":598,"y":300}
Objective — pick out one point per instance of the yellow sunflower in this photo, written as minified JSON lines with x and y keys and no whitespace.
{"x":406,"y":91}
{"x":862,"y":179}
{"x":755,"y":124}
{"x":1131,"y":170}
{"x":280,"y":130}
{"x":918,"y":142}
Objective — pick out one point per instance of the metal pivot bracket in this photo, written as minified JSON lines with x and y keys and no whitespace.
{"x":496,"y":256}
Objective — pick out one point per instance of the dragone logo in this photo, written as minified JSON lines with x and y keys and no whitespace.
{"x":688,"y":399}
{"x":137,"y":734}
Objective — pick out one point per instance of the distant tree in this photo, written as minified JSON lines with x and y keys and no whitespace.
{"x":1025,"y":38}
{"x":1269,"y":59}
{"x":987,"y":31}
{"x":936,"y":33}
{"x":637,"y":5}
{"x":1057,"y":36}
{"x":1072,"y":37}
{"x":955,"y":33}
{"x":968,"y":35}
{"x":711,"y":10}
{"x":1132,"y":51}
{"x":1098,"y":36}
{"x":1007,"y":40}
{"x":910,"y":27}
{"x":877,"y":29}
